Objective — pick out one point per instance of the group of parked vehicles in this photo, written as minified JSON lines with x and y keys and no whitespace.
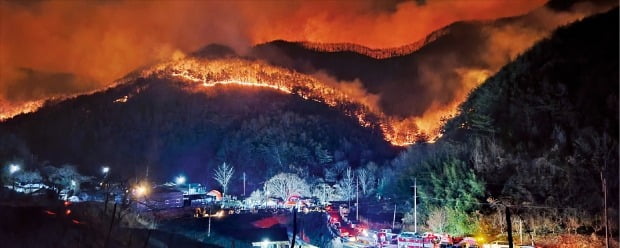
{"x":360,"y":235}
{"x":386,"y":238}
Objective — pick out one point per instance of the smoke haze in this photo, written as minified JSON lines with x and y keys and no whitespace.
{"x":55,"y":48}
{"x":100,"y":41}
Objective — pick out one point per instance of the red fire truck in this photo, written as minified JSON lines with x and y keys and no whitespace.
{"x":414,"y":240}
{"x":344,"y":228}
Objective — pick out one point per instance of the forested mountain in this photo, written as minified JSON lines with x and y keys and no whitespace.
{"x":159,"y":124}
{"x":433,"y":71}
{"x":398,"y":80}
{"x":538,"y":136}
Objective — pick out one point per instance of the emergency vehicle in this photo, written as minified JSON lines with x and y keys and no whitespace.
{"x":414,"y":240}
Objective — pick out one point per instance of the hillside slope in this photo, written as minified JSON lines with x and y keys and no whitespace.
{"x":538,"y":135}
{"x":435,"y":73}
{"x":160,"y":124}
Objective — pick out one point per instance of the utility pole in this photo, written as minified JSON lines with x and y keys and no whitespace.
{"x":394,"y":218}
{"x":243,"y":183}
{"x":324,"y":194}
{"x":357,"y":199}
{"x":209,"y":228}
{"x":606,"y":222}
{"x":415,"y":205}
{"x":294,"y":227}
{"x":509,"y":228}
{"x":107,"y":239}
{"x":520,"y":231}
{"x":148,"y":237}
{"x":604,"y":182}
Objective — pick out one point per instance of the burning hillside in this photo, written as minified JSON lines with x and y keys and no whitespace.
{"x":209,"y":73}
{"x":420,"y":86}
{"x":8,"y":110}
{"x":374,"y":53}
{"x":352,"y":101}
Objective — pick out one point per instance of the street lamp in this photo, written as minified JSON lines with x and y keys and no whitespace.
{"x":180,"y":180}
{"x":105,"y":170}
{"x":14,"y":168}
{"x":141,"y":190}
{"x":265,"y":243}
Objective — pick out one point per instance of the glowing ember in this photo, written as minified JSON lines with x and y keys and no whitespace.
{"x":122,"y":99}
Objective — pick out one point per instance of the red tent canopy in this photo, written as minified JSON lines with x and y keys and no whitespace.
{"x":217,"y":194}
{"x":293,"y":198}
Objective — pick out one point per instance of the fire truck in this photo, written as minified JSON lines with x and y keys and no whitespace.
{"x":414,"y":240}
{"x":380,"y":238}
{"x":341,"y":226}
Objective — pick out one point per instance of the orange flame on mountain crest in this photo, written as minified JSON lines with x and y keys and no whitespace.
{"x":8,"y":110}
{"x":382,"y":53}
{"x":209,"y":73}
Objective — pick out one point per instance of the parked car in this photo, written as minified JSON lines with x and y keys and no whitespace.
{"x":496,"y":244}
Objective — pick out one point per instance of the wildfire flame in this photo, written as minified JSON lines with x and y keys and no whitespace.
{"x":200,"y":74}
{"x":370,"y":52}
{"x":8,"y":111}
{"x":209,"y":73}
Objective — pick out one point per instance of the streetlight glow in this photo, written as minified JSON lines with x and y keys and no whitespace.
{"x":105,"y":170}
{"x":265,"y":243}
{"x":14,"y":168}
{"x":180,"y":180}
{"x":140,"y":190}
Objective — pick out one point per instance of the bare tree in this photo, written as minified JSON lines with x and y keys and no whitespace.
{"x":256,"y":198}
{"x":362,"y":176}
{"x":366,"y":179}
{"x":324,"y":192}
{"x":223,"y":174}
{"x":284,"y":185}
{"x":347,"y":184}
{"x":437,"y":220}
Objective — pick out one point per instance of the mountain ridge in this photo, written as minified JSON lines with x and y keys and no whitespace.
{"x":539,"y":135}
{"x":162,"y":124}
